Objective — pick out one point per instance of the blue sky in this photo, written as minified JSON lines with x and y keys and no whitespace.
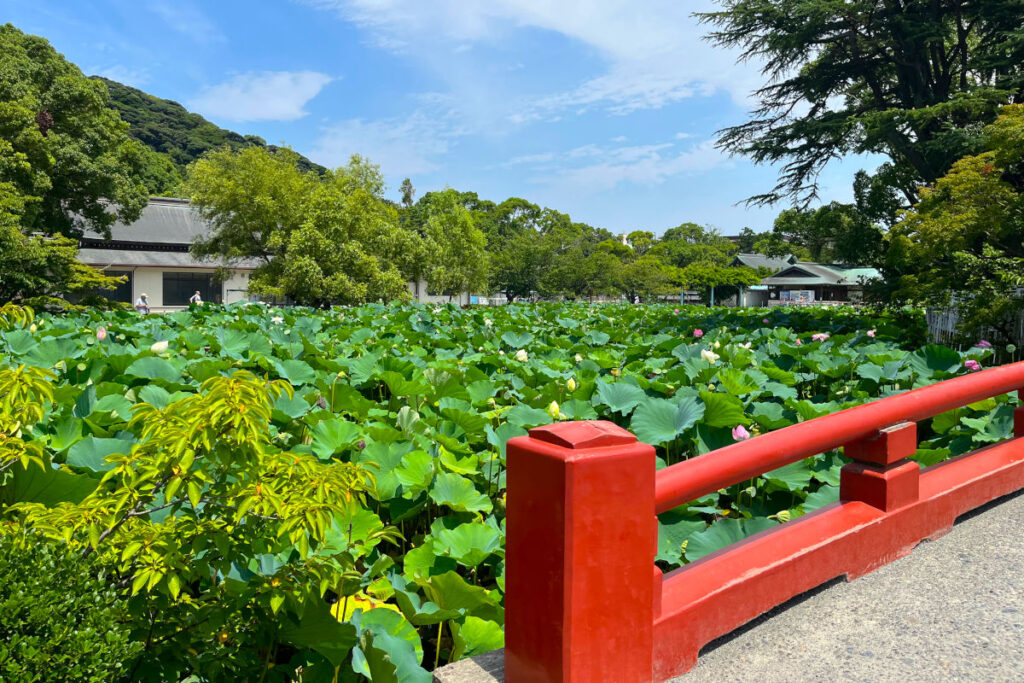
{"x":603,"y":109}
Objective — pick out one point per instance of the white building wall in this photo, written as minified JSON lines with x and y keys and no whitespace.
{"x":418,"y":290}
{"x":151,"y":281}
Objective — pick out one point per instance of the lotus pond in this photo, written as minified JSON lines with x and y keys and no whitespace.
{"x":289,"y":494}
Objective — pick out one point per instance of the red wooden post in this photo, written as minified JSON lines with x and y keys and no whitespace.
{"x":881,"y":475}
{"x":580,"y":545}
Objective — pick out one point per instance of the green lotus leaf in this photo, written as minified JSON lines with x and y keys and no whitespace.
{"x":458,"y":493}
{"x":724,"y":533}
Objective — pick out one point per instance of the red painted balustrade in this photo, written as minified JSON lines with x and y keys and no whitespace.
{"x":584,"y":600}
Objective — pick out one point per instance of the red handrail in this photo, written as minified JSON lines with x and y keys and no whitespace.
{"x":696,"y":477}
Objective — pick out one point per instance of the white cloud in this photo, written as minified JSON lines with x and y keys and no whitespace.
{"x":402,"y":147}
{"x":653,"y":54}
{"x":124,"y":74}
{"x":261,"y":96}
{"x":603,"y":168}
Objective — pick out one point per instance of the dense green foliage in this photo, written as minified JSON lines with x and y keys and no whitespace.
{"x":320,"y":494}
{"x":39,"y":270}
{"x":61,"y":147}
{"x":63,"y":621}
{"x":317,"y":239}
{"x":914,"y":80}
{"x":965,"y":237}
{"x":176,"y":136}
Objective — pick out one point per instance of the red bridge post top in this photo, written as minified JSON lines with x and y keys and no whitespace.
{"x":584,"y":434}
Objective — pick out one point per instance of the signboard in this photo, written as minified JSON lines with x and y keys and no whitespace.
{"x":797,"y":296}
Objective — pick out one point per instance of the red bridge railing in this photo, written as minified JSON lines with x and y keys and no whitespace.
{"x":584,"y":600}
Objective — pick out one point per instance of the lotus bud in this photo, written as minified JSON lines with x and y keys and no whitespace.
{"x":571,"y":385}
{"x":101,"y":333}
{"x":32,"y":327}
{"x":740,"y":433}
{"x":159,"y":347}
{"x":615,"y":372}
{"x":553,"y":410}
{"x":578,"y":358}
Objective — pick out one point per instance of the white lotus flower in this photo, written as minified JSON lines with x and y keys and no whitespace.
{"x":709,"y":355}
{"x":718,"y":344}
{"x":277,"y":320}
{"x":522,"y":356}
{"x":488,"y":322}
{"x":578,"y":358}
{"x":159,"y":347}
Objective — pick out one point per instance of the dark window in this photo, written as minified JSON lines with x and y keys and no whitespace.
{"x":123,"y":292}
{"x":179,"y":288}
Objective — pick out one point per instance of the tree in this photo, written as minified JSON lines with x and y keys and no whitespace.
{"x":691,"y":243}
{"x":646,"y":277}
{"x":408,"y":193}
{"x":40,"y":270}
{"x":747,"y":239}
{"x":707,"y":277}
{"x":82,"y":168}
{"x":641,"y":241}
{"x":320,"y":240}
{"x":965,"y":237}
{"x":912,"y":79}
{"x":834,"y":233}
{"x":458,"y":249}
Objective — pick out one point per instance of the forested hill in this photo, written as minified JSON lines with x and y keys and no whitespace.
{"x":168,"y":128}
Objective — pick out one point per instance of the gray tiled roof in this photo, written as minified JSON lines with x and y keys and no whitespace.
{"x":762,"y":261}
{"x":163,"y":221}
{"x":820,"y":274}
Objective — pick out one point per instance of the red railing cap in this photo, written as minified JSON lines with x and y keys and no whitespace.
{"x":584,"y":434}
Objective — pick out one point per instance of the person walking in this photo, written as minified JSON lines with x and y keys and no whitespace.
{"x":196,"y":298}
{"x":142,"y":305}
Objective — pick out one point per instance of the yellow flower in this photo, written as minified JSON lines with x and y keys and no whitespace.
{"x":571,"y":385}
{"x":553,"y":410}
{"x":522,"y":356}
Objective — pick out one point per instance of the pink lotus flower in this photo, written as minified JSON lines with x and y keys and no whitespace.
{"x":972,"y":365}
{"x":982,"y":344}
{"x":765,"y":321}
{"x":871,"y":333}
{"x":740,"y":433}
{"x":675,"y":310}
{"x":799,"y":343}
{"x":698,"y":333}
{"x":819,"y":337}
{"x":101,"y":333}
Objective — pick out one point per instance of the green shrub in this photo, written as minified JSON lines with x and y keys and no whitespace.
{"x":61,"y":619}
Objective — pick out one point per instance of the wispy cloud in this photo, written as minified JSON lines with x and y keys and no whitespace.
{"x":261,"y":96}
{"x":594,"y":168}
{"x":400,"y":146}
{"x":188,"y":19}
{"x":135,"y":77}
{"x":651,"y":56}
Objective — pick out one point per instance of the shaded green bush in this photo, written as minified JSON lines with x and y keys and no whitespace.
{"x":61,"y":619}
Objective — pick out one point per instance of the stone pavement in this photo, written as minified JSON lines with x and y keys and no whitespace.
{"x":953,"y":610}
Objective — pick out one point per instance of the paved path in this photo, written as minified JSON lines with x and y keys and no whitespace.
{"x":953,"y":610}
